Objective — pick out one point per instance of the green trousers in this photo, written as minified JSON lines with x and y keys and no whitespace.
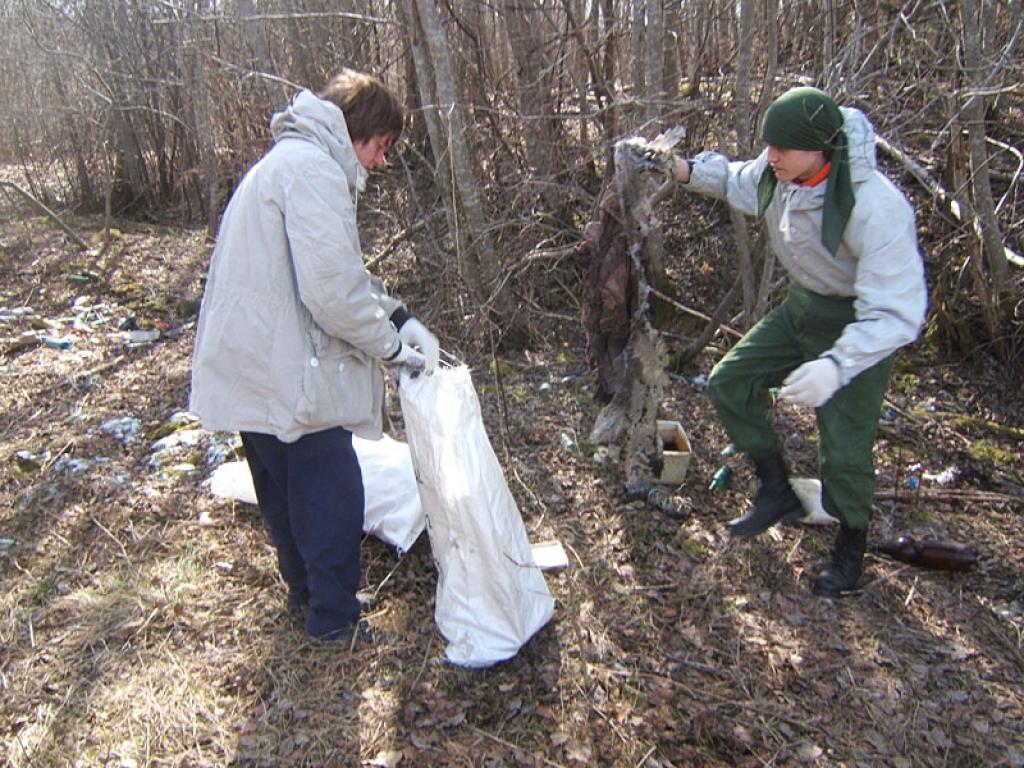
{"x":800,"y":329}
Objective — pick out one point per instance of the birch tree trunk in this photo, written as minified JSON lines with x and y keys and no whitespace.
{"x":424,"y":76}
{"x":483,"y":273}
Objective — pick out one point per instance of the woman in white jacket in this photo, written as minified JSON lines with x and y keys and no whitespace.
{"x":291,"y":334}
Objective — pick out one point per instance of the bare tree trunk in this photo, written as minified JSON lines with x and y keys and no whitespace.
{"x":435,"y":133}
{"x":673,"y":70}
{"x":637,"y":42}
{"x":300,"y":54}
{"x":771,"y":55}
{"x":196,"y":97}
{"x":600,"y":64}
{"x":485,"y":278}
{"x":654,"y":71}
{"x":536,"y":100}
{"x":699,"y":29}
{"x":86,"y":193}
{"x":741,"y":121}
{"x":578,"y":64}
{"x":981,"y":185}
{"x":828,"y":42}
{"x":767,"y":95}
{"x":130,"y":177}
{"x":256,"y":39}
{"x":610,"y":52}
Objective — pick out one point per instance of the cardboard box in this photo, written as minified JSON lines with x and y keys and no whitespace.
{"x":676,"y":452}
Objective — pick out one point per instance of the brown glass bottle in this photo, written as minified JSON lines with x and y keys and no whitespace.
{"x":941,"y":555}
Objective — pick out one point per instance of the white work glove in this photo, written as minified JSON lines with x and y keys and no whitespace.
{"x":408,"y":357}
{"x":812,"y":384}
{"x":414,"y":334}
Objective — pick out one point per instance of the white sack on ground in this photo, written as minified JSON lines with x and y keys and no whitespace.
{"x":808,"y":490}
{"x":491,"y":597}
{"x":393,"y":511}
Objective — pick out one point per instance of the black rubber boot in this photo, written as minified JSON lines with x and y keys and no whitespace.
{"x":775,"y":501}
{"x":843,"y":572}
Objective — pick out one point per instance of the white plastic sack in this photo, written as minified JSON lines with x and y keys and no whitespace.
{"x":491,"y":597}
{"x":393,"y":511}
{"x":808,"y":490}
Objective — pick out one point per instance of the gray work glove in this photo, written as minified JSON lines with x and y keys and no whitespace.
{"x":414,"y":334}
{"x":653,"y":154}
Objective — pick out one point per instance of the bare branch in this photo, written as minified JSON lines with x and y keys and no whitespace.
{"x":42,"y":207}
{"x":944,"y":196}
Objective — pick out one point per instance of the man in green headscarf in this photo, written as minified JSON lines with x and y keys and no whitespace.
{"x":848,"y":240}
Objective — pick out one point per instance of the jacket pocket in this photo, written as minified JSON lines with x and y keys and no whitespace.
{"x":337,"y":390}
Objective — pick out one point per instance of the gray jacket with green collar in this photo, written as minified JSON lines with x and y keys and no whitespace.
{"x":292,"y":326}
{"x":878,"y":263}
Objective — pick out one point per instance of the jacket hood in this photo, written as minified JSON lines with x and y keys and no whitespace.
{"x":322,"y":123}
{"x":860,"y":135}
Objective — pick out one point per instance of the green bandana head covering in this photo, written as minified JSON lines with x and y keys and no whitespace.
{"x":808,"y":119}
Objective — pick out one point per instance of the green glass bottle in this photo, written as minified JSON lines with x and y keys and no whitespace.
{"x":720,"y":481}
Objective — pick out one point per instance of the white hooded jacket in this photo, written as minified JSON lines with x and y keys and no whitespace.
{"x":292,"y":325}
{"x":878,"y":263}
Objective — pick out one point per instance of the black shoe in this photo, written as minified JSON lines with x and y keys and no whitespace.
{"x":298,"y":604}
{"x":843,"y":572}
{"x":351,"y":634}
{"x":775,"y":501}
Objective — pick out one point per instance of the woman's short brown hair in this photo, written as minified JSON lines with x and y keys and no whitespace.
{"x":370,"y":109}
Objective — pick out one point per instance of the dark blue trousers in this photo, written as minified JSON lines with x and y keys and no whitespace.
{"x":310,"y":494}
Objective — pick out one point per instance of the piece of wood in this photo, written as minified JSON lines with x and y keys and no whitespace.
{"x":53,"y":216}
{"x":946,"y":494}
{"x":694,"y":313}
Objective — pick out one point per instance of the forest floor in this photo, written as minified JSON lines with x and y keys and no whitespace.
{"x":142,"y":621}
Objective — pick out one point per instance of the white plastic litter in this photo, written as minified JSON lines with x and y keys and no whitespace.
{"x":491,"y":596}
{"x":945,"y":477}
{"x":808,"y":490}
{"x":393,"y":511}
{"x":550,"y":555}
{"x":124,"y":428}
{"x":232,"y":480}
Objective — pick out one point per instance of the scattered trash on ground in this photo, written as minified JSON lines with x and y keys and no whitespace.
{"x":721,"y":479}
{"x":123,"y":428}
{"x":945,"y":477}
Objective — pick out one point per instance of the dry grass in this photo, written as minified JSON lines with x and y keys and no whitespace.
{"x":142,"y":621}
